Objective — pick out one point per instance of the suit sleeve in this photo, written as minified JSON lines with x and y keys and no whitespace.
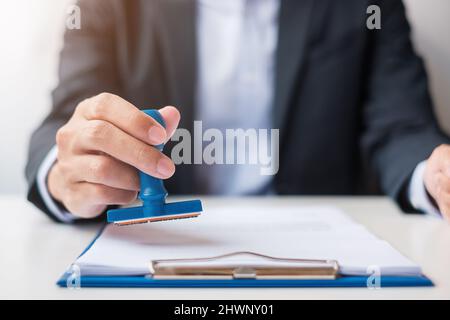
{"x":87,"y":67}
{"x":400,"y":128}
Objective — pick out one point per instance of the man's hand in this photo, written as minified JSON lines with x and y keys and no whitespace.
{"x":100,"y":148}
{"x":437,"y":178}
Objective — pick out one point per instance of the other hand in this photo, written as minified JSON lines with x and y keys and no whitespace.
{"x":437,"y":178}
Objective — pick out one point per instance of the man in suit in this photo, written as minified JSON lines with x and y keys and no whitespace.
{"x":342,"y":96}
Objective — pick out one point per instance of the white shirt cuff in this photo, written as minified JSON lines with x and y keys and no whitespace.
{"x":418,"y":195}
{"x":52,"y":206}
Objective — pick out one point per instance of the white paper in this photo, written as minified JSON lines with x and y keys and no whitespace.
{"x":281,"y":232}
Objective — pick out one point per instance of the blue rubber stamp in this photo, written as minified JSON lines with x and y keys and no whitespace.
{"x":153,"y":195}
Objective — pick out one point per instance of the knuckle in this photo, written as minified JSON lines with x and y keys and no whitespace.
{"x":133,"y":117}
{"x":98,"y":106}
{"x":82,"y":106}
{"x":141,"y":155}
{"x":144,"y":158}
{"x":100,"y":168}
{"x":105,"y":96}
{"x":96,"y":130}
{"x":62,"y":136}
{"x":100,"y":193}
{"x":97,"y":109}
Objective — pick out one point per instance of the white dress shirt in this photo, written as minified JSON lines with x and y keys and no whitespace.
{"x":237,"y":41}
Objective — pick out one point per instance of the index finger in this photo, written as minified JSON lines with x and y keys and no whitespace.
{"x":124,"y":115}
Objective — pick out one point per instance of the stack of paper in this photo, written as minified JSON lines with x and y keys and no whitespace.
{"x":286,"y":232}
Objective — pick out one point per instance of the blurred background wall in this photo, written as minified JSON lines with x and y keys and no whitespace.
{"x":31,"y":37}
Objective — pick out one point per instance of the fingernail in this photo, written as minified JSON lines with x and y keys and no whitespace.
{"x":165,"y":167}
{"x":156,"y":135}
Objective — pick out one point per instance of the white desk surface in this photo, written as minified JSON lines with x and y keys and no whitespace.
{"x":34,"y":252}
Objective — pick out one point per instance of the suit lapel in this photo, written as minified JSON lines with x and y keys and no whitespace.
{"x":294,"y":20}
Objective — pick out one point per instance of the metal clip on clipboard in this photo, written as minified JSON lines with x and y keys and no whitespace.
{"x":235,"y":266}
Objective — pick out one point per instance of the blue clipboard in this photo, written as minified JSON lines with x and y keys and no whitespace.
{"x":149,"y":282}
{"x":145,"y":282}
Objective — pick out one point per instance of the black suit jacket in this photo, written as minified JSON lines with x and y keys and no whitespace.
{"x":345,"y":96}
